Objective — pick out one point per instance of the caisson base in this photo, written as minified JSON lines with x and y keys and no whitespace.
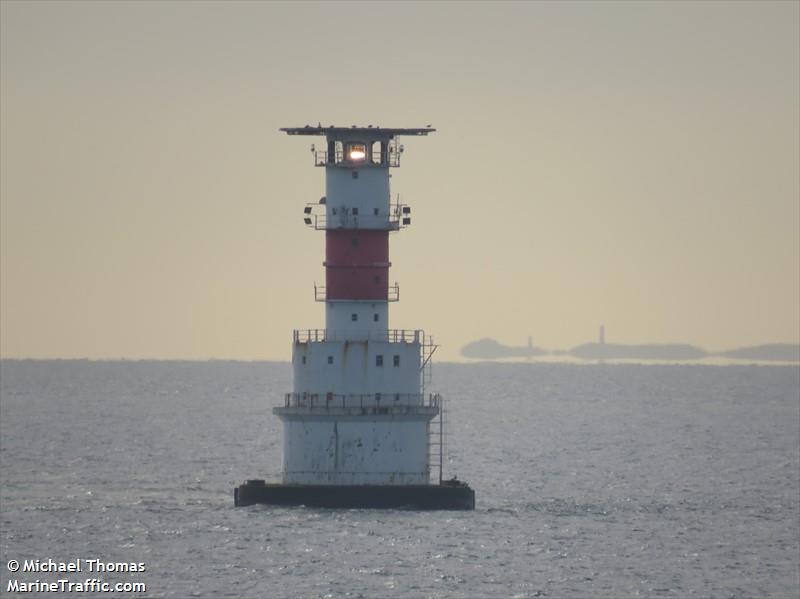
{"x":450,"y":495}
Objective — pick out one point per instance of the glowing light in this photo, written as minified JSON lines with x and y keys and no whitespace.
{"x":357,"y":152}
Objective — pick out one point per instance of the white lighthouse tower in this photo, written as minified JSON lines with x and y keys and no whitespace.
{"x":357,"y":423}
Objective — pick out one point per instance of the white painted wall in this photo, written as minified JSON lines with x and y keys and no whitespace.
{"x":367,"y":193}
{"x":339,"y":319}
{"x":376,"y":450}
{"x":376,"y":441}
{"x":354,"y":370}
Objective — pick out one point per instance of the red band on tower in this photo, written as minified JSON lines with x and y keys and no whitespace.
{"x":357,"y":264}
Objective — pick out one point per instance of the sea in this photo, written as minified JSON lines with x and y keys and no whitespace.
{"x":592,"y":480}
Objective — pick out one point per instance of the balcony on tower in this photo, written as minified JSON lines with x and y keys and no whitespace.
{"x":318,"y":216}
{"x":390,"y":294}
{"x":382,"y":153}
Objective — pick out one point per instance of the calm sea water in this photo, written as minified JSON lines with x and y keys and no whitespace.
{"x":591,"y":481}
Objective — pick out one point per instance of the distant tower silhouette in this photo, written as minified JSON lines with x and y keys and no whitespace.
{"x":602,"y":338}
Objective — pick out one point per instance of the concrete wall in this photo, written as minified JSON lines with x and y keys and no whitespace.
{"x":354,"y":368}
{"x":377,"y":450}
{"x":339,"y":319}
{"x":368,"y":192}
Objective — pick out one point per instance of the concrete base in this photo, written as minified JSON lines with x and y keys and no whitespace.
{"x":450,"y":495}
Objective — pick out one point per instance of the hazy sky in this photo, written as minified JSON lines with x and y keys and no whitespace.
{"x":635,"y":164}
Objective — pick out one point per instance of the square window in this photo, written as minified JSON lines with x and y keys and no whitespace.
{"x":330,"y":359}
{"x":396,"y":361}
{"x":375,"y":317}
{"x":378,"y":360}
{"x":355,"y":211}
{"x":354,"y":317}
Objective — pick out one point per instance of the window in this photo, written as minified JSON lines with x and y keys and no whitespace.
{"x":355,"y":174}
{"x":330,"y":359}
{"x":378,"y":360}
{"x":304,"y":359}
{"x":354,"y":241}
{"x":396,"y":361}
{"x":355,"y":211}
{"x":375,"y":211}
{"x":375,"y":317}
{"x":354,"y":317}
{"x":356,"y":152}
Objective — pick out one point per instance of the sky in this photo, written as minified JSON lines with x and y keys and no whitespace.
{"x":632,"y":164}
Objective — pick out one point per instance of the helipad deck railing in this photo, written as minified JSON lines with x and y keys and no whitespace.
{"x":364,"y":400}
{"x":392,"y":335}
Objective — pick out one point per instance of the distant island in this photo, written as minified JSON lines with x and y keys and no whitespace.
{"x":783,"y":352}
{"x":652,"y":351}
{"x":490,"y":349}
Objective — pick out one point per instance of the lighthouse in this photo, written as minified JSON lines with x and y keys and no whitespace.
{"x":360,"y":426}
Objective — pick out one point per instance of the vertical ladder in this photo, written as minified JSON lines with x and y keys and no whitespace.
{"x":426,"y":367}
{"x":436,"y":437}
{"x":436,"y":432}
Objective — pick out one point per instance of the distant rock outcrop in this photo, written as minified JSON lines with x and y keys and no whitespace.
{"x":618,"y":351}
{"x":773,"y":352}
{"x":489,"y":349}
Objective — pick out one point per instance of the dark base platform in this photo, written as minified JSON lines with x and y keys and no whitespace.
{"x":449,"y":495}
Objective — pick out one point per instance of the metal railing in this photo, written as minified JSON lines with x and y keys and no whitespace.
{"x":391,"y":335}
{"x":392,"y":294}
{"x":356,"y":477}
{"x":399,"y":217}
{"x":325,"y":401}
{"x":391,"y":158}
